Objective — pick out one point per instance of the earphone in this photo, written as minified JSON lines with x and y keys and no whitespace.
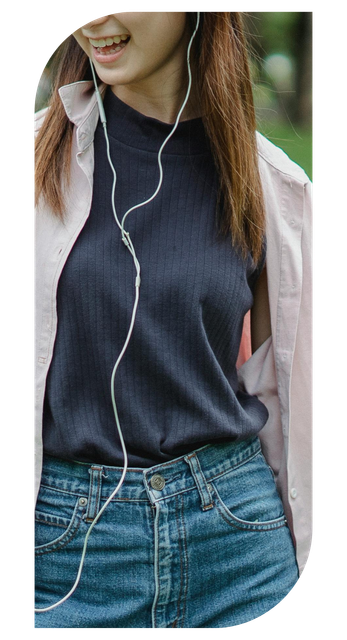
{"x":128,"y":243}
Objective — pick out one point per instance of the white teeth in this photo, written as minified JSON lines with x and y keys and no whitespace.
{"x":97,"y":43}
{"x":110,"y":50}
{"x":103,"y":42}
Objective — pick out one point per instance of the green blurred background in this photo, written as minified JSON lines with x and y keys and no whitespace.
{"x":281,"y":64}
{"x":280,"y":45}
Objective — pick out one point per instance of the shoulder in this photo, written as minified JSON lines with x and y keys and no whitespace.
{"x":273,"y":160}
{"x":39,"y":118}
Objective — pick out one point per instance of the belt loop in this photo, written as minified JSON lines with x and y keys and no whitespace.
{"x":200,"y":480}
{"x":94,"y":493}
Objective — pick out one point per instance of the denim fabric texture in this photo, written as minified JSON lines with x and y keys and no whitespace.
{"x":200,"y":541}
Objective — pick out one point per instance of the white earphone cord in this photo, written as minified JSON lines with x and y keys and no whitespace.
{"x":127,"y":241}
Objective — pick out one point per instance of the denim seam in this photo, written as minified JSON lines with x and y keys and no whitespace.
{"x":183,"y":553}
{"x":124,"y":500}
{"x":156,"y":569}
{"x":91,"y":515}
{"x":50,"y":524}
{"x":52,"y":487}
{"x":176,"y":493}
{"x":223,"y":473}
{"x":199,"y":481}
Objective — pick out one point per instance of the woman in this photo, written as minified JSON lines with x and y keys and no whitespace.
{"x":172,"y":519}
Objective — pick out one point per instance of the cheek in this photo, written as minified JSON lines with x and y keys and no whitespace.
{"x":160,"y":52}
{"x":143,"y":53}
{"x":82,"y":41}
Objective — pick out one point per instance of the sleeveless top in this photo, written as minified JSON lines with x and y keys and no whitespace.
{"x":176,"y":387}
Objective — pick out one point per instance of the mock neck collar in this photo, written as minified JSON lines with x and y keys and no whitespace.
{"x":134,"y":129}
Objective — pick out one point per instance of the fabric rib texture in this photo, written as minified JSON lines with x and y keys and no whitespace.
{"x":176,"y":387}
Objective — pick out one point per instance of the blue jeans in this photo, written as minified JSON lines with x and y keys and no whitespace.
{"x":200,"y":541}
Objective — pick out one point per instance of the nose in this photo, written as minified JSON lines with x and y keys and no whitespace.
{"x":104,"y":18}
{"x":95,"y":22}
{"x":93,"y":25}
{"x":89,"y":28}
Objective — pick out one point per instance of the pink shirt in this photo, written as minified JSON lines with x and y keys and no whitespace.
{"x":279,"y":372}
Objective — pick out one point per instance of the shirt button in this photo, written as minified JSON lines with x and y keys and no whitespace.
{"x":158,"y":482}
{"x":293,"y":493}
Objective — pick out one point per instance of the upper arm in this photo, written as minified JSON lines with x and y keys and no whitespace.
{"x":260,"y":313}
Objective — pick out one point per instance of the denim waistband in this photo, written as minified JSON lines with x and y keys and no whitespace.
{"x":194,"y":470}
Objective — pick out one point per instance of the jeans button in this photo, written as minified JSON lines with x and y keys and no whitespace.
{"x":82,"y":502}
{"x":158,"y":482}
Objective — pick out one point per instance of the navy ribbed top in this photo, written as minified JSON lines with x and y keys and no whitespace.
{"x":176,"y":386}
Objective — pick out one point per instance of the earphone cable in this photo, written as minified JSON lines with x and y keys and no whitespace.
{"x":127,"y":241}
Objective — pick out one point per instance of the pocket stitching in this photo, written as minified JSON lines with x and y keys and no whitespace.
{"x":266,"y":525}
{"x":66,"y":537}
{"x":42,"y":518}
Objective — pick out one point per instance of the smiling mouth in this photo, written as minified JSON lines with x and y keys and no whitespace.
{"x":111,"y":44}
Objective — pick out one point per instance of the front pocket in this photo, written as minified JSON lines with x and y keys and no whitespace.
{"x":246,"y":497}
{"x":58,"y":518}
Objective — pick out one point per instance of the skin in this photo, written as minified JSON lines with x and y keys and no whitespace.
{"x":151,"y":77}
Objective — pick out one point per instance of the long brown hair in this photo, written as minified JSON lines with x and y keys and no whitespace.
{"x":226,"y":100}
